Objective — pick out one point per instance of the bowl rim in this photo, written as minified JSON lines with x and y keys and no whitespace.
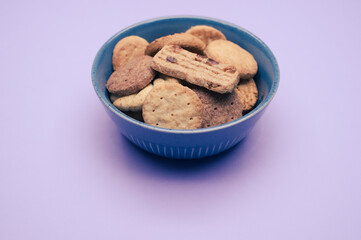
{"x":249,"y":115}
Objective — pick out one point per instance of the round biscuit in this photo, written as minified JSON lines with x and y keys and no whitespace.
{"x":128,"y":48}
{"x":247,"y":93}
{"x":227,"y":52}
{"x":184,"y":40}
{"x":171,"y":105}
{"x":206,"y":33}
{"x":131,"y":77}
{"x":218,"y":108}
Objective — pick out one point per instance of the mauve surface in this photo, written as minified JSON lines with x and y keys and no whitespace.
{"x":66,"y":173}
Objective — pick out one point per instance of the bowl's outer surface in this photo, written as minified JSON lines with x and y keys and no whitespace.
{"x":188,"y":144}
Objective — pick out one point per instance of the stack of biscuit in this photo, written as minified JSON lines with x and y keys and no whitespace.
{"x":190,"y":80}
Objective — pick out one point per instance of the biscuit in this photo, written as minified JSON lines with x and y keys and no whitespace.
{"x":158,"y":81}
{"x":128,"y":48}
{"x":161,"y":81}
{"x":184,"y":40}
{"x":206,"y":33}
{"x":131,"y":77}
{"x":230,"y":53}
{"x":167,"y":78}
{"x":133,"y":102}
{"x":218,"y":108}
{"x":247,"y":93}
{"x":196,"y":69}
{"x":171,"y":105}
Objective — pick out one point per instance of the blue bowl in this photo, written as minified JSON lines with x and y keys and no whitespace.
{"x":197,"y":143}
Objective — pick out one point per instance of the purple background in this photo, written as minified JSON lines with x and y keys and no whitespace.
{"x":66,"y":173}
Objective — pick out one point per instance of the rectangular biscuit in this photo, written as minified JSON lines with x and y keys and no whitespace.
{"x":196,"y":69}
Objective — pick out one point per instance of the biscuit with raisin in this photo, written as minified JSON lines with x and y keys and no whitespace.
{"x":196,"y":69}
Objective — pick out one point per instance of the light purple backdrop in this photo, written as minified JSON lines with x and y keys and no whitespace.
{"x":66,"y":173}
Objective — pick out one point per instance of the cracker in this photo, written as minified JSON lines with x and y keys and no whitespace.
{"x":131,"y":77}
{"x":218,"y":108}
{"x":230,"y":53}
{"x":247,"y":93}
{"x":128,"y":48}
{"x":133,"y":102}
{"x":171,"y":105}
{"x":196,"y":69}
{"x":184,"y":40}
{"x":206,"y":33}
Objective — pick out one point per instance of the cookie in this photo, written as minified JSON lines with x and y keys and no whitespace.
{"x":247,"y":93}
{"x":218,"y":108}
{"x":184,"y":40}
{"x":171,"y":105}
{"x":131,"y":77}
{"x":196,"y":69}
{"x":206,"y":33}
{"x":167,"y":78}
{"x":161,"y":81}
{"x":133,"y":102}
{"x":158,"y":81}
{"x":128,"y":48}
{"x":230,"y":53}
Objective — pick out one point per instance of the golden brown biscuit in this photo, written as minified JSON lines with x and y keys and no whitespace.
{"x":184,"y":40}
{"x":247,"y":93}
{"x":196,"y":69}
{"x":128,"y":48}
{"x":134,"y":102}
{"x":171,"y":105}
{"x":206,"y":33}
{"x":169,"y":78}
{"x":161,"y":81}
{"x":230,"y":53}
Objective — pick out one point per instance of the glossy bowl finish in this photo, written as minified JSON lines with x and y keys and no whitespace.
{"x":188,"y":144}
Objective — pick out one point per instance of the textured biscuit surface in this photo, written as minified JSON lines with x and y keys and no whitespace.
{"x":171,"y":105}
{"x":133,"y":102}
{"x":206,"y":33}
{"x":131,"y":77}
{"x":167,"y":78}
{"x":128,"y":48}
{"x":247,"y":93}
{"x":230,"y":53}
{"x":218,"y":108}
{"x":184,"y":40}
{"x":196,"y":69}
{"x":161,"y":81}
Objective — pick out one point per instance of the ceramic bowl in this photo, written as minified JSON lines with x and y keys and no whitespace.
{"x":197,"y":143}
